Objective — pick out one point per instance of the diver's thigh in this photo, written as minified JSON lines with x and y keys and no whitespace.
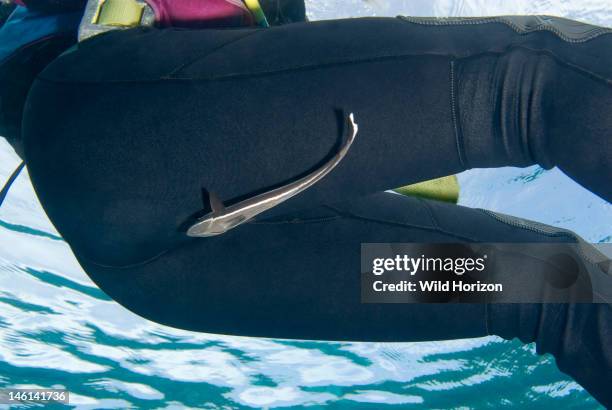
{"x":298,"y":276}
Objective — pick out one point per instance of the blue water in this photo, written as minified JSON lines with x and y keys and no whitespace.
{"x":57,"y":329}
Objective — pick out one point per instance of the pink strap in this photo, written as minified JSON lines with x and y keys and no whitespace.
{"x":201,"y":13}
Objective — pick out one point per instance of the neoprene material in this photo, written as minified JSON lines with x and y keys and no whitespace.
{"x":29,"y":40}
{"x":54,"y":6}
{"x":119,"y":150}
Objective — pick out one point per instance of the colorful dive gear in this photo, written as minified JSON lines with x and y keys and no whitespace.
{"x":442,"y":189}
{"x":104,"y":15}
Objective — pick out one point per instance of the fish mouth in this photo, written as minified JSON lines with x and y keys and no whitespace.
{"x":212,"y":226}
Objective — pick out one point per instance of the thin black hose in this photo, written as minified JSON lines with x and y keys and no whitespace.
{"x":10,"y":181}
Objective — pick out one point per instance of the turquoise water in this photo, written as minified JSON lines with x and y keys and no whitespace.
{"x":58,"y":330}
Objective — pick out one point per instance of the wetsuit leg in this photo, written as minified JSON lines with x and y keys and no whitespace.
{"x":298,"y":276}
{"x":120,"y":148}
{"x":123,"y":134}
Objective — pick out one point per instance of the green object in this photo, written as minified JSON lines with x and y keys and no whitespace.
{"x":442,"y":189}
{"x":121,"y":13}
{"x":257,"y":12}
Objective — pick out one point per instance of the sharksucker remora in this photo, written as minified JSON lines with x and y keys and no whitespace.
{"x":221,"y":219}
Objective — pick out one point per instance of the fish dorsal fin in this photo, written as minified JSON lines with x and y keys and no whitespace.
{"x":215,"y":203}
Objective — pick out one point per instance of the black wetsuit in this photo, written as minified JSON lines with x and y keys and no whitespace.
{"x":123,"y":134}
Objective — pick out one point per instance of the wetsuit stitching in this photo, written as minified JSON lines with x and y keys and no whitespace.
{"x":130,"y":265}
{"x":597,"y":31}
{"x":341,"y":215}
{"x":556,"y":59}
{"x":430,"y":211}
{"x":296,"y":221}
{"x":209,"y":53}
{"x":263,"y":73}
{"x":425,"y":228}
{"x":232,"y":76}
{"x":352,"y":215}
{"x":177,"y":246}
{"x":541,"y":229}
{"x":454,"y":109}
{"x":520,"y":224}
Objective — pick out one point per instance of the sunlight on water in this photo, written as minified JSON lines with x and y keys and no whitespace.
{"x":58,"y":330}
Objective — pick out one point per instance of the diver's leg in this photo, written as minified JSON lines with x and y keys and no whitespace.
{"x":119,"y":148}
{"x":299,"y":277}
{"x":124,"y":133}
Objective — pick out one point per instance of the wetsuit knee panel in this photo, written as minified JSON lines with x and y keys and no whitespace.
{"x":499,"y":105}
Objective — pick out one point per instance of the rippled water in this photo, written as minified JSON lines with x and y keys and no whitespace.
{"x":58,"y":330}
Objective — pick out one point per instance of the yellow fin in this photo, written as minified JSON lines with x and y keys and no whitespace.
{"x":442,"y":189}
{"x":122,"y":13}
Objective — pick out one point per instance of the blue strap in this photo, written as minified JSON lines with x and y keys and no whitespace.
{"x":25,"y":26}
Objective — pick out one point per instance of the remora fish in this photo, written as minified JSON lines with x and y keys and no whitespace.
{"x":222,"y":219}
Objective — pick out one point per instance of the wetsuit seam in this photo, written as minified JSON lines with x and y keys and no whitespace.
{"x":456,"y":125}
{"x":310,"y":67}
{"x":129,"y":265}
{"x":430,"y":212}
{"x":556,"y":59}
{"x":296,"y":221}
{"x":560,"y":233}
{"x":302,"y":68}
{"x":352,"y":215}
{"x":176,"y":70}
{"x":177,"y":246}
{"x":342,"y":215}
{"x":556,"y":234}
{"x":541,"y":27}
{"x":263,"y":73}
